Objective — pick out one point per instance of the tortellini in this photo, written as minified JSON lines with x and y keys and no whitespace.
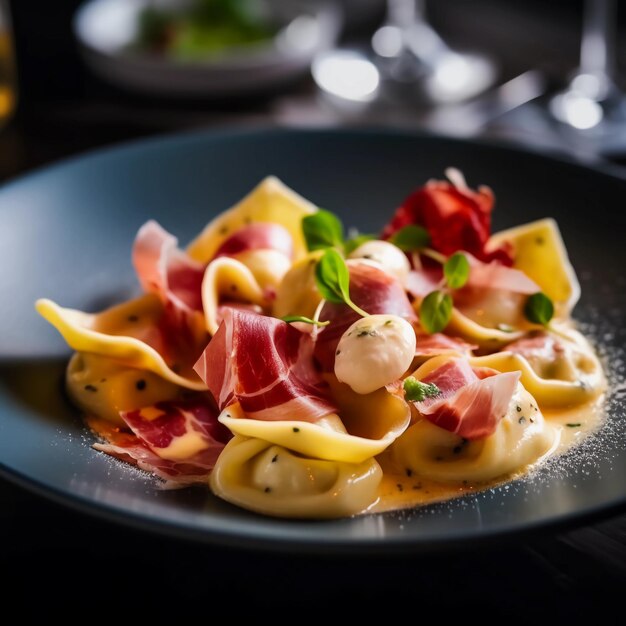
{"x":273,"y":480}
{"x":271,"y":201}
{"x":103,"y":387}
{"x":122,"y":333}
{"x":571,"y":376}
{"x":231,"y":280}
{"x":539,"y":252}
{"x":521,"y":438}
{"x":366,"y":427}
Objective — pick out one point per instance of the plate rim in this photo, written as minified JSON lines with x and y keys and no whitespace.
{"x":247,"y":540}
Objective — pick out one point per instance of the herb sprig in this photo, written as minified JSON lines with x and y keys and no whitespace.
{"x":417,"y":391}
{"x":333,"y":280}
{"x":323,"y":230}
{"x":436,"y":307}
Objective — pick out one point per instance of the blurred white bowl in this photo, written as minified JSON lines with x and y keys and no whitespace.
{"x":107,"y":29}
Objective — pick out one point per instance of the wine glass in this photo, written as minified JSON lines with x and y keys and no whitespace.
{"x":406,"y":63}
{"x":592,"y":105}
{"x":411,"y":55}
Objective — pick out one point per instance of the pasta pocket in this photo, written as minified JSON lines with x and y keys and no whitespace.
{"x":521,"y":438}
{"x":271,"y":201}
{"x":354,"y":435}
{"x":270,"y":479}
{"x":127,"y":332}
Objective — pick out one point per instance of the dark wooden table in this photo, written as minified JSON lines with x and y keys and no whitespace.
{"x":56,"y":559}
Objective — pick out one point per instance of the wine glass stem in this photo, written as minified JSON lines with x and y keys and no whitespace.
{"x":597,"y":49}
{"x":403,"y":13}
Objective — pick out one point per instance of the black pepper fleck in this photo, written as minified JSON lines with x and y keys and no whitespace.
{"x":409,"y":472}
{"x":539,"y":241}
{"x":296,"y":429}
{"x":521,"y":420}
{"x":223,"y":230}
{"x":267,"y":489}
{"x":400,"y":487}
{"x":518,"y":408}
{"x":91,"y":388}
{"x":140,"y":384}
{"x":133,"y":318}
{"x":275,"y":458}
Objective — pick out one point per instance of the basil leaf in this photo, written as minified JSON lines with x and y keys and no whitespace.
{"x":417,"y":391}
{"x":435,"y":311}
{"x":411,"y":238}
{"x":302,"y":318}
{"x":539,"y":309}
{"x":456,"y":270}
{"x":333,"y":280}
{"x":332,"y":277}
{"x":352,"y":244}
{"x":322,"y":230}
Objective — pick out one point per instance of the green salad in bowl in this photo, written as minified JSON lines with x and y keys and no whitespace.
{"x":200,"y":28}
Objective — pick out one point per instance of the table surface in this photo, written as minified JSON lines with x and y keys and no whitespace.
{"x":569,"y":575}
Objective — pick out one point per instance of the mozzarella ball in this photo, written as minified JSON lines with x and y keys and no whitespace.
{"x":375,"y":351}
{"x":267,"y":266}
{"x":389,"y":257}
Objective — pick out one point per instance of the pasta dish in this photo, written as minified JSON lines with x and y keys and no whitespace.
{"x":302,"y":371}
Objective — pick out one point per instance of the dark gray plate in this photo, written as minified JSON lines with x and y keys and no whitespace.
{"x":66,"y":233}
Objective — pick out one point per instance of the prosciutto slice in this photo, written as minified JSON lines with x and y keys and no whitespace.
{"x":471,"y":403}
{"x":496,"y":276}
{"x":456,"y":217}
{"x":374,"y":291}
{"x":257,"y":236}
{"x":178,"y":441}
{"x":267,"y":366}
{"x":170,"y":273}
{"x":438,"y":343}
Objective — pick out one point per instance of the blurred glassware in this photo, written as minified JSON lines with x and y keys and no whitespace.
{"x":411,"y":55}
{"x":8,"y":82}
{"x":592,"y":103}
{"x":407,"y":64}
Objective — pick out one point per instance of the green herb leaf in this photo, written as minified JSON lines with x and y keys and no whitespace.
{"x":411,"y":238}
{"x":435,"y":311}
{"x":302,"y":318}
{"x":417,"y":391}
{"x":352,"y":244}
{"x":456,"y":270}
{"x":333,"y":280}
{"x":322,"y":230}
{"x":539,"y":309}
{"x":573,"y":425}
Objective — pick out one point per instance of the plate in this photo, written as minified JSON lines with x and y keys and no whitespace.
{"x":66,"y":233}
{"x":106,"y":31}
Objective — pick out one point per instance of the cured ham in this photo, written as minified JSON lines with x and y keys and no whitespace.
{"x":170,"y":273}
{"x":471,"y":403}
{"x":373,"y":290}
{"x":266,"y":365}
{"x":258,"y":236}
{"x":496,"y":276}
{"x":438,"y":343}
{"x":456,"y":218}
{"x":179,"y":441}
